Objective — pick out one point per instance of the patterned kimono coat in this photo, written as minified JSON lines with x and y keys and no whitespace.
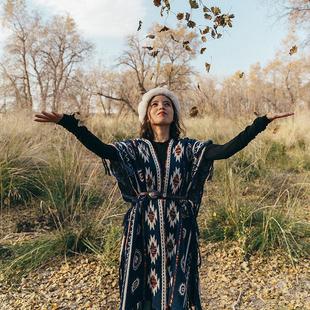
{"x":160,"y":252}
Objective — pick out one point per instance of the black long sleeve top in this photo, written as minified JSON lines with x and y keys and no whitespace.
{"x":213,"y":152}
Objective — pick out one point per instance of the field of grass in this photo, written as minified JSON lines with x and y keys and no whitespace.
{"x":56,"y":200}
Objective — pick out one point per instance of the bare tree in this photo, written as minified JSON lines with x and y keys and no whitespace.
{"x":41,"y":57}
{"x":145,"y":67}
{"x":16,"y":66}
{"x":63,"y":51}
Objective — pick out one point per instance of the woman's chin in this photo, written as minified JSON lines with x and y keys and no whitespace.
{"x":163,"y":122}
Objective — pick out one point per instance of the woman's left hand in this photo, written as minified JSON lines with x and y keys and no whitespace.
{"x":272,"y":116}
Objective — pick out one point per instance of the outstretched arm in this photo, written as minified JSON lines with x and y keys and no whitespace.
{"x":88,"y":139}
{"x":223,"y":151}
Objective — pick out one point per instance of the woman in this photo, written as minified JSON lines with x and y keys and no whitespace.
{"x":162,"y":176}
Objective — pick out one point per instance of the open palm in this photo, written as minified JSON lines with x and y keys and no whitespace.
{"x":45,"y":117}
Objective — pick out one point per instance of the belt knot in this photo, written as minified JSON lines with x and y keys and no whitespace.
{"x":159,"y":195}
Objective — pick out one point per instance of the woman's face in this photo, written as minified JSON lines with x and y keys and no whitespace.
{"x":160,"y":111}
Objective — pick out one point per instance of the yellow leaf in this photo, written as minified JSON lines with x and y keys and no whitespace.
{"x":157,"y":2}
{"x":215,"y":10}
{"x":180,"y":16}
{"x":202,"y":50}
{"x":193,"y":4}
{"x":208,"y":66}
{"x":293,"y":50}
{"x":191,"y":24}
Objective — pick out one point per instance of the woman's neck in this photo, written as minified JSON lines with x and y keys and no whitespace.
{"x":161,"y":133}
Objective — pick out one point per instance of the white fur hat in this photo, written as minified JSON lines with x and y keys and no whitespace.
{"x":142,"y":107}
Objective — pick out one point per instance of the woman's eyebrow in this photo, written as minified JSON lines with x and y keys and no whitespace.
{"x":163,"y":101}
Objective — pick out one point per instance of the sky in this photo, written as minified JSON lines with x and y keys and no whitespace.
{"x":256,"y":34}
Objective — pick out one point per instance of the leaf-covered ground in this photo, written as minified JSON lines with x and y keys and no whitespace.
{"x":227,"y":282}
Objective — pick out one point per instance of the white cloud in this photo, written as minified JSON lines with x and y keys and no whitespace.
{"x":99,"y":18}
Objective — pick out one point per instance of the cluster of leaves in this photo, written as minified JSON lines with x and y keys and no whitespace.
{"x":213,"y":14}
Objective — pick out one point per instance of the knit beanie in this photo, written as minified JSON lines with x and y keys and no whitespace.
{"x":142,"y":107}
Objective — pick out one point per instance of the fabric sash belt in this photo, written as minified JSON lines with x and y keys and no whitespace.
{"x":153,"y":195}
{"x":159,"y":195}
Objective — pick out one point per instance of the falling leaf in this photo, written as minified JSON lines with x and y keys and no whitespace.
{"x":203,"y":39}
{"x":219,"y":35}
{"x":193,"y":4}
{"x":191,"y":24}
{"x":188,"y":48}
{"x":140,"y":24}
{"x":180,"y":16}
{"x":206,"y":9}
{"x":202,"y":50}
{"x":208,"y":66}
{"x":154,"y":53}
{"x":157,"y":2}
{"x":164,"y":29}
{"x":148,"y":47}
{"x":293,"y":50}
{"x":213,"y":34}
{"x":198,"y":86}
{"x":193,"y":111}
{"x":185,"y":43}
{"x":187,"y":16}
{"x":206,"y":30}
{"x":208,"y":16}
{"x":241,"y":74}
{"x":215,"y":10}
{"x":151,"y":36}
{"x":167,"y":4}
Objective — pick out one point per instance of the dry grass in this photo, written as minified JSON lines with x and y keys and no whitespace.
{"x":259,"y":196}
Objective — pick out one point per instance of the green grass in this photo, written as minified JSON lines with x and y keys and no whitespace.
{"x":19,"y":168}
{"x":18,"y":260}
{"x":68,"y":183}
{"x":258,"y":227}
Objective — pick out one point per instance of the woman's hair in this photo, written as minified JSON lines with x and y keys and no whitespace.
{"x":176,"y":127}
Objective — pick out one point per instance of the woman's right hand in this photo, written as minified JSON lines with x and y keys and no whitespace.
{"x":45,"y":117}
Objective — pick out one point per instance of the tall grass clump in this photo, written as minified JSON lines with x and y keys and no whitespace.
{"x":19,"y":164}
{"x":258,"y":227}
{"x":109,"y":229}
{"x":98,"y":233}
{"x":29,"y":255}
{"x":68,"y":182}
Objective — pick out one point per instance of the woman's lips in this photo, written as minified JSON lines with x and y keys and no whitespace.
{"x":162,"y":113}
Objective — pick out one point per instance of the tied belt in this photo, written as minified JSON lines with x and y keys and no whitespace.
{"x":159,"y":195}
{"x":153,"y":195}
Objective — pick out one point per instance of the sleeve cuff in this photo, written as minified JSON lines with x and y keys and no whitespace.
{"x":266,"y":119}
{"x":261,"y":122}
{"x":67,"y":121}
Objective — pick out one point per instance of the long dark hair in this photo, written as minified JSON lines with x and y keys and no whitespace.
{"x":176,"y":127}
